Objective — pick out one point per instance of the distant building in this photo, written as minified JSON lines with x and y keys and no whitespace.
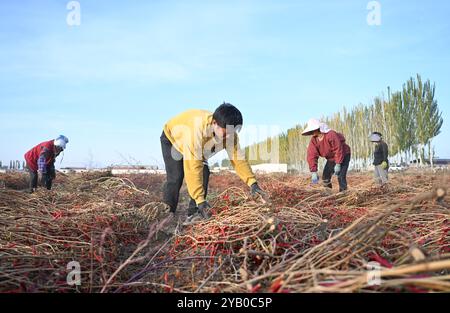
{"x":441,"y":161}
{"x":436,"y":161}
{"x":268,"y":168}
{"x":124,"y":170}
{"x":218,"y":169}
{"x":71,"y":170}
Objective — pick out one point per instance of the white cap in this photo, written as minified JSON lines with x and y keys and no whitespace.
{"x":374,"y":137}
{"x":61,"y":141}
{"x":315,"y":124}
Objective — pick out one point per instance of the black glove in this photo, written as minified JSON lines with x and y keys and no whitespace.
{"x":202,"y":210}
{"x":257,"y":191}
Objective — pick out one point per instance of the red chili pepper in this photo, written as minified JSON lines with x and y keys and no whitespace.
{"x":57,"y":215}
{"x":381,"y":260}
{"x":98,"y":257}
{"x":18,"y":290}
{"x":415,"y":289}
{"x":284,"y":245}
{"x":213,"y":252}
{"x":276,"y":285}
{"x":255,"y":288}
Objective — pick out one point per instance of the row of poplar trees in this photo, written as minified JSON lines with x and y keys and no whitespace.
{"x":408,"y":119}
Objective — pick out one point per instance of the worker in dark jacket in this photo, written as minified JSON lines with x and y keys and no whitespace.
{"x":41,"y":159}
{"x":331,"y":145}
{"x":380,"y":158}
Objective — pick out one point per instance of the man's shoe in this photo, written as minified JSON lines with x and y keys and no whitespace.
{"x":193,"y":219}
{"x":203,"y":213}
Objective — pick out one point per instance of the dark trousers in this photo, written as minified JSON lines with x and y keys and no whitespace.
{"x":33,"y":179}
{"x":46,"y":180}
{"x":328,"y":172}
{"x":173,"y":161}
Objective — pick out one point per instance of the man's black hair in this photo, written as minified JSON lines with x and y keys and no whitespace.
{"x":228,"y":114}
{"x":377,"y":133}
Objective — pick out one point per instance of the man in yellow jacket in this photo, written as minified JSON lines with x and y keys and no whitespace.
{"x":188,"y":141}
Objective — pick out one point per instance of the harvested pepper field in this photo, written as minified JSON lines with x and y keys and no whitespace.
{"x":302,"y":239}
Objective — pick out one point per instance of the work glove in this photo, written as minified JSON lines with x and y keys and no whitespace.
{"x":337,"y":169}
{"x":384,"y":165}
{"x":202,"y":210}
{"x":257,"y":191}
{"x":315,"y":178}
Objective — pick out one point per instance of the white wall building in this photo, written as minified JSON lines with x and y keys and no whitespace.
{"x":71,"y":170}
{"x":219,"y":169}
{"x":125,"y":170}
{"x":268,"y":168}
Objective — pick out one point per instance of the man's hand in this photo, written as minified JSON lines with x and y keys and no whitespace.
{"x":256,"y":190}
{"x":337,"y":169}
{"x":315,"y":178}
{"x":202,"y":210}
{"x":384,"y":165}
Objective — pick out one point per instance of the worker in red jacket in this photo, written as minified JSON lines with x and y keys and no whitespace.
{"x":331,"y":145}
{"x":41,"y":159}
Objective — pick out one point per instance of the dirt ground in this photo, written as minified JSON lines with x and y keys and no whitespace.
{"x":302,"y":238}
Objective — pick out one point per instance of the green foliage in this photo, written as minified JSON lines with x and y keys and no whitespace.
{"x":408,"y":119}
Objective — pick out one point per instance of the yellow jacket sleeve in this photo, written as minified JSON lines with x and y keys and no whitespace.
{"x":193,"y":168}
{"x":240,"y":164}
{"x":193,"y":174}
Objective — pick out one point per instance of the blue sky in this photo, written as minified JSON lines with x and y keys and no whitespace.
{"x":112,"y":82}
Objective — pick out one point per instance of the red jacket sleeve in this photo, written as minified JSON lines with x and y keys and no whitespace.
{"x":312,"y":156}
{"x":337,"y":146}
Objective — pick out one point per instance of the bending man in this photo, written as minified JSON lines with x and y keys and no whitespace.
{"x":188,"y":141}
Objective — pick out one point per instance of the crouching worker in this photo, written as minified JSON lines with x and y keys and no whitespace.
{"x":187,"y":141}
{"x":331,"y":145}
{"x":42,"y":159}
{"x":380,"y":158}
